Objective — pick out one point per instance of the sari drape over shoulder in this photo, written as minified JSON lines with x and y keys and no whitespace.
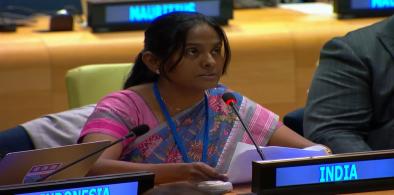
{"x":118,"y":112}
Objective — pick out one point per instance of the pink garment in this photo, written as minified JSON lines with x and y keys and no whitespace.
{"x":123,"y":110}
{"x":124,"y":103}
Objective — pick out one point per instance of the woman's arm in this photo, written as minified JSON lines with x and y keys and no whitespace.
{"x":108,"y":163}
{"x":284,"y":136}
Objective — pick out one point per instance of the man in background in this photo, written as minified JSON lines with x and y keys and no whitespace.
{"x":350,"y":104}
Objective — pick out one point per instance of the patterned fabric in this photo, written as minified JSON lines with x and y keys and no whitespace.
{"x":123,"y":110}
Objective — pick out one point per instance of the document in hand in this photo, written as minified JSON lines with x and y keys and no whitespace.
{"x":240,"y":169}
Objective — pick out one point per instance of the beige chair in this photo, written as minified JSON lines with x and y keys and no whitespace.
{"x":89,"y":83}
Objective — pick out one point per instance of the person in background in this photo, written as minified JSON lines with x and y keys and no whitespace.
{"x":51,"y":130}
{"x":173,"y":88}
{"x":350,"y":105}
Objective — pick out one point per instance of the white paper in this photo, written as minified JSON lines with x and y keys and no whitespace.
{"x":240,"y":169}
{"x":310,"y":8}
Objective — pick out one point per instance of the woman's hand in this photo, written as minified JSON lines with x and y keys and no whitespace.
{"x":199,"y":171}
{"x":320,"y":147}
{"x":326,"y":149}
{"x":192,"y":172}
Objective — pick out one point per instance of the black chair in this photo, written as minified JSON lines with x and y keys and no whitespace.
{"x":294,"y":120}
{"x":14,"y":140}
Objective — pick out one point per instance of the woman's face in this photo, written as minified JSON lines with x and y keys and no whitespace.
{"x":202,"y":60}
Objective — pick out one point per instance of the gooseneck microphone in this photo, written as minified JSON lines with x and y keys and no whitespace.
{"x":229,"y":99}
{"x":133,"y":133}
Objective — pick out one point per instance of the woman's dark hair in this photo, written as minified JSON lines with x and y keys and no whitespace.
{"x":164,"y":37}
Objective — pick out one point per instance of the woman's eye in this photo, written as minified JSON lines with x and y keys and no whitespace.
{"x":216,"y":51}
{"x":191,"y":51}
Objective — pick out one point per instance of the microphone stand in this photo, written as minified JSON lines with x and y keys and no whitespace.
{"x":247,"y":130}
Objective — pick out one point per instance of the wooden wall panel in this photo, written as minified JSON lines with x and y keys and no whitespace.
{"x":25,"y":80}
{"x":274,"y":56}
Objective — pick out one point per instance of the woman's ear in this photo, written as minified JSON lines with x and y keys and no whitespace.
{"x":151,"y":61}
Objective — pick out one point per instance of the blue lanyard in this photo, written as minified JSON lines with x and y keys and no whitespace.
{"x":177,"y":138}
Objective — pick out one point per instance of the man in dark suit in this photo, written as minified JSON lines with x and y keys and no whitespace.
{"x":350,"y":105}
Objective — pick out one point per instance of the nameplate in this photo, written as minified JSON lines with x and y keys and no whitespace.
{"x":110,"y":15}
{"x":117,"y":184}
{"x":343,"y":173}
{"x":363,"y":8}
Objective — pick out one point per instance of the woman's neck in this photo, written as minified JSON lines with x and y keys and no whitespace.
{"x":178,"y":98}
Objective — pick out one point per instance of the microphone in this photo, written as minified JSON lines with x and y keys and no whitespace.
{"x":135,"y":132}
{"x":229,"y":99}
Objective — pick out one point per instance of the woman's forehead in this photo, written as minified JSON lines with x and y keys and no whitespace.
{"x":202,"y":33}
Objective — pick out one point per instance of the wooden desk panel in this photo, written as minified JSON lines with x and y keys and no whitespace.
{"x":25,"y":80}
{"x":274,"y":56}
{"x":86,"y":52}
{"x":262,"y":66}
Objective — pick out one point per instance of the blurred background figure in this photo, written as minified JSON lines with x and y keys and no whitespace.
{"x":350,"y":102}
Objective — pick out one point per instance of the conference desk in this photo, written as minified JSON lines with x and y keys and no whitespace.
{"x":274,"y":54}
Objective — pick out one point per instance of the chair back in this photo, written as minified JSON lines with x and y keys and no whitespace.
{"x":294,"y":120}
{"x":89,"y":83}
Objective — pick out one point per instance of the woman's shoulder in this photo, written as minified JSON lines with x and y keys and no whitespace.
{"x":135,"y":93}
{"x":125,"y":100}
{"x":122,"y":96}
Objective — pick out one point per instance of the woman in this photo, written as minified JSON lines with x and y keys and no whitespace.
{"x":173,"y":88}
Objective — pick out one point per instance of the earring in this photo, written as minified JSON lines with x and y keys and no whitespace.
{"x":157,"y":71}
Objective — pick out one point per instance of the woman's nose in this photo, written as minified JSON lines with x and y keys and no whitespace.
{"x":208,"y":60}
